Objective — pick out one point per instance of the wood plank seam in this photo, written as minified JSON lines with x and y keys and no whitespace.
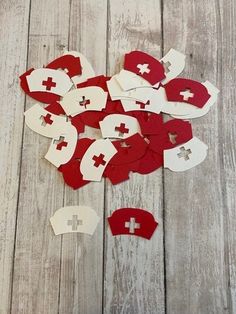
{"x":131,"y":287}
{"x":163,"y":173}
{"x":63,"y":200}
{"x":221,"y":157}
{"x":20,"y":168}
{"x":105,"y":185}
{"x":221,"y":153}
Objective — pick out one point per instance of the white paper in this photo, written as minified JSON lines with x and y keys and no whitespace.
{"x":49,"y":80}
{"x":185,"y":156}
{"x":59,"y":155}
{"x":116,"y":92}
{"x":119,"y":126}
{"x":35,"y":119}
{"x":129,"y":80}
{"x":84,"y":99}
{"x":90,"y":167}
{"x":69,"y":219}
{"x":184,"y":109}
{"x":87,"y":69}
{"x":157,"y":99}
{"x":176,"y":61}
{"x":199,"y":112}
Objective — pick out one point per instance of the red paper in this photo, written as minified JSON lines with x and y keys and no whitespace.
{"x":129,"y":150}
{"x":119,"y":173}
{"x":114,"y":106}
{"x":69,"y":63}
{"x":100,"y":81}
{"x":174,"y":133}
{"x":77,"y":123}
{"x":44,"y":97}
{"x":55,"y":108}
{"x":71,"y":170}
{"x":145,"y":66}
{"x":188,"y":91}
{"x":150,"y":162}
{"x":150,"y":123}
{"x":132,"y":221}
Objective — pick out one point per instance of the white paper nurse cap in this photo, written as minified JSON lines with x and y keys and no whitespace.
{"x":81,"y":219}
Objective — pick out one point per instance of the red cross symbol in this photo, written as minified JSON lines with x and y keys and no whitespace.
{"x":99,"y":160}
{"x":49,"y":83}
{"x":47,"y":119}
{"x":122,"y":129}
{"x":142,"y":104}
{"x":60,"y":143}
{"x":84,"y":102}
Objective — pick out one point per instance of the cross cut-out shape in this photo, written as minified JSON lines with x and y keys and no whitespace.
{"x":74,"y":222}
{"x":60,"y":143}
{"x":49,"y":83}
{"x":124,"y":144}
{"x":184,"y":153}
{"x":172,"y":137}
{"x":142,"y":104}
{"x":146,"y":140}
{"x":122,"y":129}
{"x":186,"y":94}
{"x":84,"y":102}
{"x":99,"y":160}
{"x":132,"y":225}
{"x":46,"y":119}
{"x":143,"y":68}
{"x":166,"y":66}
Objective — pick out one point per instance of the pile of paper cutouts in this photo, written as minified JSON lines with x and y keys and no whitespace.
{"x":126,"y":108}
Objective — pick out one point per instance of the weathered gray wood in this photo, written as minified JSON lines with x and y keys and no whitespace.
{"x":82,"y":255}
{"x":37,"y":252}
{"x":54,"y":274}
{"x":196,"y":270}
{"x":134,"y":274}
{"x":227,"y":112}
{"x":13,"y":51}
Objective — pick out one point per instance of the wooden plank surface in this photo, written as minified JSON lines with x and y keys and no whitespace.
{"x":37,"y":250}
{"x":13,"y":51}
{"x":81,"y":284}
{"x":196,"y":270}
{"x":134,"y":274}
{"x":227,"y":112}
{"x":41,"y":273}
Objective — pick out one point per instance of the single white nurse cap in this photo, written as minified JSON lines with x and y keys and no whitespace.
{"x":68,"y":219}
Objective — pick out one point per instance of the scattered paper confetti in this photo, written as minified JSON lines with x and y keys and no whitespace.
{"x":126,"y":108}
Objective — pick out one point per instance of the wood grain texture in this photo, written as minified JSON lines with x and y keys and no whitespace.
{"x":13,"y":51}
{"x":37,"y":250}
{"x":196,"y":267}
{"x":226,"y":34}
{"x":41,"y":273}
{"x":81,"y":284}
{"x":134,"y":274}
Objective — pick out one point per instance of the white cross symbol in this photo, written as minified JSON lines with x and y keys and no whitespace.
{"x":143,"y":68}
{"x":74,"y":222}
{"x":132,"y":225}
{"x":186,"y":94}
